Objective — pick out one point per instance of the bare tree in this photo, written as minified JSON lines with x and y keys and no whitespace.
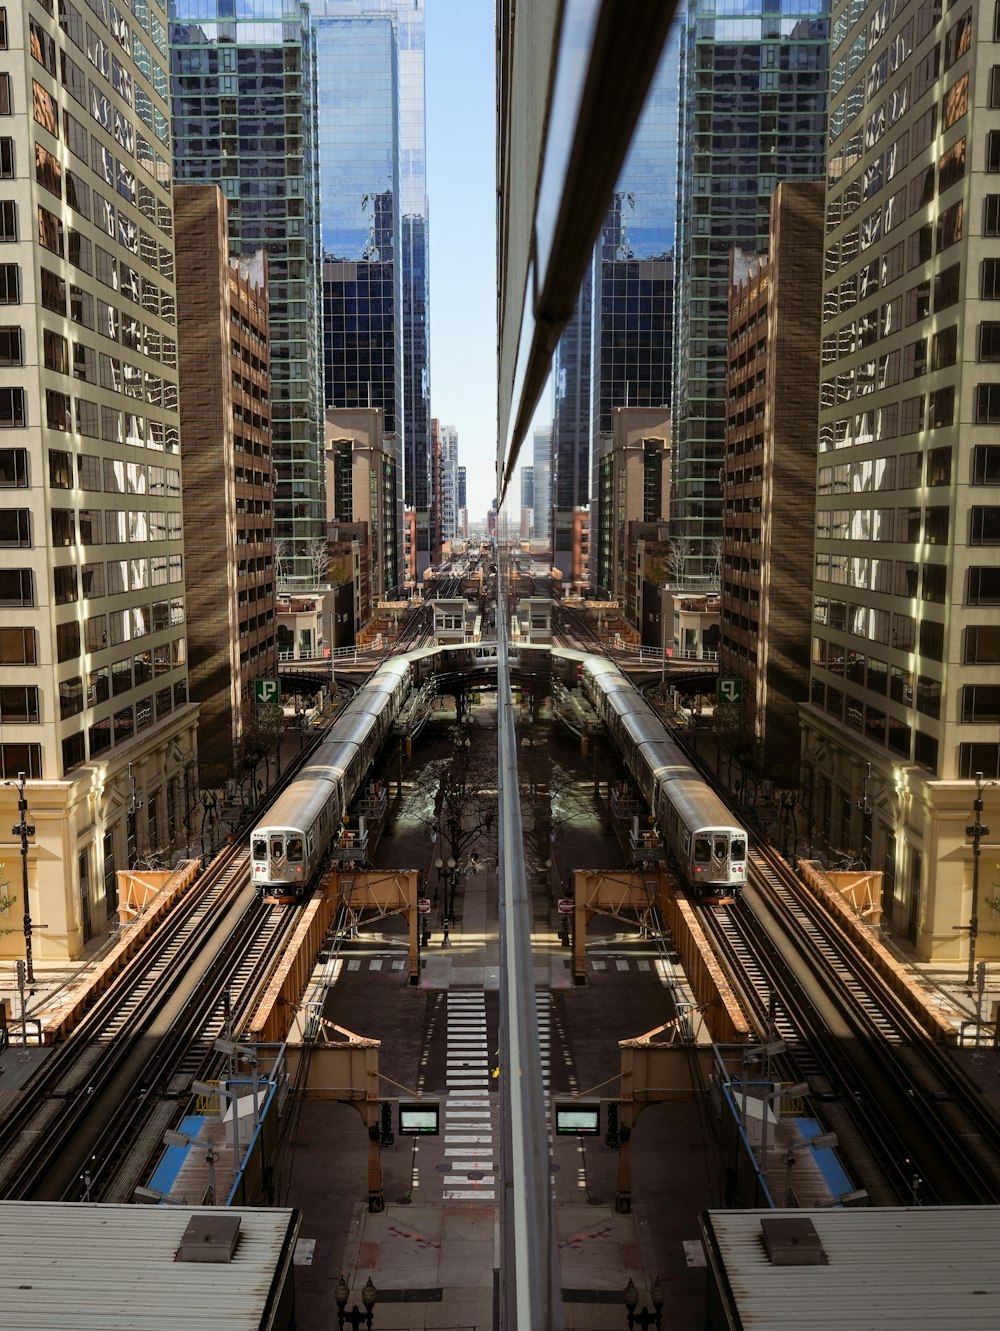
{"x":715,"y":547}
{"x":259,"y":743}
{"x":318,"y":552}
{"x":282,"y":563}
{"x":677,"y":553}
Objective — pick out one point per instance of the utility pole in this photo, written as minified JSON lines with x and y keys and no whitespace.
{"x":25,"y":831}
{"x":977,"y":830}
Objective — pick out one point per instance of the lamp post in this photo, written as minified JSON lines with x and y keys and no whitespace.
{"x":24,"y":830}
{"x":355,"y":1319}
{"x":644,"y":1319}
{"x":450,"y":888}
{"x":977,"y":830}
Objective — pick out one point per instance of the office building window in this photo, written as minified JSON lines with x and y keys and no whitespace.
{"x":17,"y":587}
{"x":17,"y":758}
{"x":984,"y":526}
{"x":19,"y":702}
{"x":15,"y":528}
{"x":13,"y":468}
{"x":18,"y":646}
{"x":987,"y":404}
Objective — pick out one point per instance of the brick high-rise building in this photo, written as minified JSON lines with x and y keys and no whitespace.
{"x":769,"y":476}
{"x":222,"y":310}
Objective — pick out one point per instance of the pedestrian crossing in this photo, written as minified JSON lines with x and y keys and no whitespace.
{"x":468,"y":1113}
{"x":392,"y":962}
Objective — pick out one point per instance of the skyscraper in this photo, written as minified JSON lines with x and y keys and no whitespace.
{"x":94,"y":702}
{"x":753,"y":94}
{"x":374,"y":227}
{"x":616,"y":350}
{"x":449,"y":482}
{"x":541,"y":481}
{"x":904,"y":701}
{"x":244,"y":98}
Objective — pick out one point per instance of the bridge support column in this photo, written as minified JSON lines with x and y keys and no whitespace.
{"x":623,"y":1193}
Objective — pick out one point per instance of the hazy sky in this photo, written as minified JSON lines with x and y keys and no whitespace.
{"x":461,"y":187}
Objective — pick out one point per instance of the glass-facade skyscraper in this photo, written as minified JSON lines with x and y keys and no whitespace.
{"x":753,"y":93}
{"x":374,"y":227}
{"x":616,"y":350}
{"x":243,"y":89}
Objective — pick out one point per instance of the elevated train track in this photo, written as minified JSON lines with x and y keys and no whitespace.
{"x":911,"y":1123}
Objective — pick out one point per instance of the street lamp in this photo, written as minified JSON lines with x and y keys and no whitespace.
{"x":644,"y":1319}
{"x":355,"y":1319}
{"x":450,"y":888}
{"x":24,"y":830}
{"x":977,"y":830}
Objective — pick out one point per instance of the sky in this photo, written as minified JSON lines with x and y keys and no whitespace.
{"x":461,"y":176}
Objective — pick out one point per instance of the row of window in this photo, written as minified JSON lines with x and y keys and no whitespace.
{"x":864,"y":574}
{"x":904,"y":472}
{"x":881,"y":728}
{"x":90,"y":526}
{"x":911,"y":526}
{"x":121,"y":726}
{"x":113,"y":630}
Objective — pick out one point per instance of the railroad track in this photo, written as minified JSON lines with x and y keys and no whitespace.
{"x":908,"y":1119}
{"x":88,"y":1121}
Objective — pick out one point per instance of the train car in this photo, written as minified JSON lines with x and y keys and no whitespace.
{"x":289,"y":846}
{"x":287,"y":849}
{"x":708,"y":847}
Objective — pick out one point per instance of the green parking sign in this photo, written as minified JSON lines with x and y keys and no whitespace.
{"x":266,"y":690}
{"x":729,"y":691}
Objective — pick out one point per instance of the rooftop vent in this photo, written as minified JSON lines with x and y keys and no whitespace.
{"x":791,"y":1241}
{"x":209,"y":1238}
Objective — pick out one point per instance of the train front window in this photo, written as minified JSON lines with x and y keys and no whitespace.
{"x":721,"y":847}
{"x":294,"y":850}
{"x":702,"y":850}
{"x":277,"y":849}
{"x":260,"y":848}
{"x":738,"y":848}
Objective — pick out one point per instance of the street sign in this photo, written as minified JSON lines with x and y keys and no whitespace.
{"x":729,"y":690}
{"x":424,"y":906}
{"x":566,"y":905}
{"x":266,"y":690}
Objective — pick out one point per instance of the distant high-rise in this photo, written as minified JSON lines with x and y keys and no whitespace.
{"x":449,"y":482}
{"x":370,"y":57}
{"x":243,"y":90}
{"x":527,"y":487}
{"x":753,"y":94}
{"x":541,"y":473}
{"x":616,"y":350}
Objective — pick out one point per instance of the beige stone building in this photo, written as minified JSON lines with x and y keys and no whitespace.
{"x":361,"y":486}
{"x":222,"y":310}
{"x":904,"y":705}
{"x":634,"y":480}
{"x":93,"y":646}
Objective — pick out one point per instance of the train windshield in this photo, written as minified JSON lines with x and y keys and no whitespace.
{"x":259,"y":848}
{"x":294,"y":850}
{"x":721,"y":847}
{"x":738,"y":848}
{"x":277,"y":848}
{"x":702,"y":850}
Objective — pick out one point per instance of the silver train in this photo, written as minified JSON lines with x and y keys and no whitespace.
{"x":289,"y":846}
{"x":709,"y":849}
